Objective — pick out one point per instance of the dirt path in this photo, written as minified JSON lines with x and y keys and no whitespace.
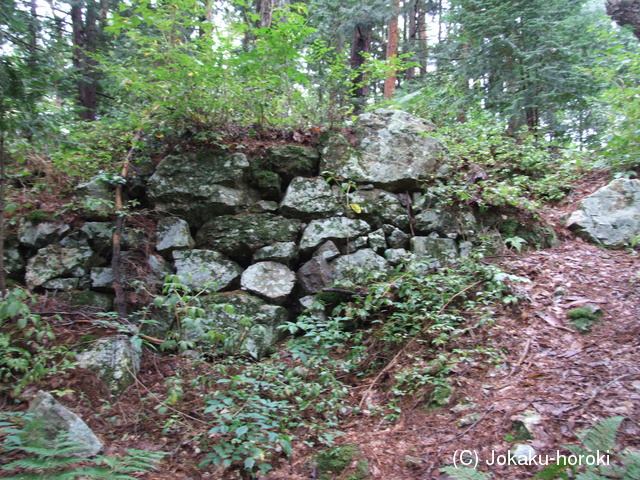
{"x":565,"y":378}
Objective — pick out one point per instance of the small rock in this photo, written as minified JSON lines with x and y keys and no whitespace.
{"x":523,"y":453}
{"x":38,"y":235}
{"x":327,"y":250}
{"x":282,"y":252}
{"x":411,"y":461}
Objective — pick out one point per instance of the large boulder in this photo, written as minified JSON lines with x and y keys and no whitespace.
{"x":55,"y":420}
{"x":209,"y":269}
{"x":308,"y":198}
{"x":96,"y":198}
{"x":198,"y":187}
{"x":434,"y":252}
{"x":238,"y":236}
{"x":56,"y":261}
{"x":115,"y":360}
{"x":393,"y":150}
{"x":445,"y":222}
{"x":610,"y":216}
{"x":335,"y":228}
{"x":270,"y":280}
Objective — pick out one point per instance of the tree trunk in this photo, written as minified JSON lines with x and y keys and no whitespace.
{"x":362,"y":35}
{"x":84,"y":45}
{"x":3,"y":275}
{"x":625,"y":12}
{"x":392,"y":52}
{"x":413,"y":35}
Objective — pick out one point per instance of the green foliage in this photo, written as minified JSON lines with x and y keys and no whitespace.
{"x":254,"y":412}
{"x":465,"y":473}
{"x":185,"y":72}
{"x":520,"y":58}
{"x":598,"y":442}
{"x":619,"y":68}
{"x":492,"y":169}
{"x":331,"y":464}
{"x":24,"y":355}
{"x":58,"y":459}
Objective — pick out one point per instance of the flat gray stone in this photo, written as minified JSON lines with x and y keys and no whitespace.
{"x":283,"y":252}
{"x":173,"y":234}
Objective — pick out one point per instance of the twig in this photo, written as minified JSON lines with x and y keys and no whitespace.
{"x":345,"y":291}
{"x":597,"y":392}
{"x":395,"y":359}
{"x":522,"y":357}
{"x":460,"y":435}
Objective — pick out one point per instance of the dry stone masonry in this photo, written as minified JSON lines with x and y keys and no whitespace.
{"x":261,"y":234}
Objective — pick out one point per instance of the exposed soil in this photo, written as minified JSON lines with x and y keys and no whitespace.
{"x":569,"y":379}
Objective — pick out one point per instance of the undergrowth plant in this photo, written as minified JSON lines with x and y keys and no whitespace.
{"x":490,"y":168}
{"x":26,"y":354}
{"x":58,"y":459}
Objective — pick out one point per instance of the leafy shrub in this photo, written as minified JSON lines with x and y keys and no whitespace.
{"x":24,"y":354}
{"x":492,"y":169}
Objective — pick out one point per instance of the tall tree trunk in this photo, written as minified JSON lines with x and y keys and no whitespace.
{"x":265,"y":9}
{"x":421,"y":21}
{"x":392,"y":52}
{"x":83,"y":20}
{"x":413,"y":35}
{"x":625,"y":12}
{"x":3,"y":275}
{"x":362,"y":35}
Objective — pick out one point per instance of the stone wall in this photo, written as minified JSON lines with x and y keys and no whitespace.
{"x":272,"y":230}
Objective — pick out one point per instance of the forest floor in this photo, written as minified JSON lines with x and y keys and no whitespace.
{"x":567,"y":379}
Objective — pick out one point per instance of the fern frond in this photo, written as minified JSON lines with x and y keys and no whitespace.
{"x":602,"y":436}
{"x":464,"y":473}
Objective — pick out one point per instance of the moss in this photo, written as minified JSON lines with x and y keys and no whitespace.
{"x":583,"y":319}
{"x":38,"y":216}
{"x":440,"y":396}
{"x":335,"y":464}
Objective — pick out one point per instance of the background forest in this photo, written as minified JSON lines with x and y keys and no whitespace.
{"x":529,"y":97}
{"x":79,"y":79}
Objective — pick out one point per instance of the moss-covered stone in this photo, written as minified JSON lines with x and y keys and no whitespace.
{"x":584,"y":318}
{"x":293,"y":161}
{"x":343,"y":463}
{"x":238,"y":236}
